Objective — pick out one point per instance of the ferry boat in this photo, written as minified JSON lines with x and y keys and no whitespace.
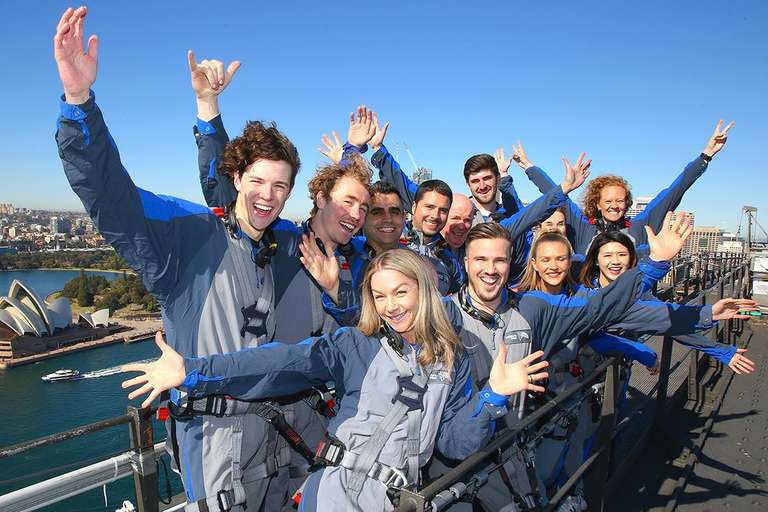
{"x":63,"y":374}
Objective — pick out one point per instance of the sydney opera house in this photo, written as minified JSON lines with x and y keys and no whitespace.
{"x":29,"y":326}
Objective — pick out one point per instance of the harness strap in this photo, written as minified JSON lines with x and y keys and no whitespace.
{"x":258,"y":311}
{"x":405,"y":403}
{"x":222,"y":502}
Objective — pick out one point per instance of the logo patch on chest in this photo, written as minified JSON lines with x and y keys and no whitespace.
{"x":520,"y":336}
{"x":440,"y":377}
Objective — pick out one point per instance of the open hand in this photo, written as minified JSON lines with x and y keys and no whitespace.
{"x":671,"y":237}
{"x":161,"y":375}
{"x":323,"y":268}
{"x":334,"y":149}
{"x":77,"y":67}
{"x":362,"y":129}
{"x":519,"y":156}
{"x":510,"y":379}
{"x":575,"y":176}
{"x":379,"y":132}
{"x":502,"y":162}
{"x":740,"y":364}
{"x":727,"y":309}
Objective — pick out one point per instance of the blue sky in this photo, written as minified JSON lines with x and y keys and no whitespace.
{"x":640,"y":86}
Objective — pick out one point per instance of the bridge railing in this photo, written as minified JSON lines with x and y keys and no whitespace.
{"x":699,"y":280}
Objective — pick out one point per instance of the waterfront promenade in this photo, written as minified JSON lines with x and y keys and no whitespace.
{"x":135,"y":330}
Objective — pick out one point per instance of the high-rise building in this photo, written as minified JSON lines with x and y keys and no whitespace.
{"x":60,"y":225}
{"x":422,"y":175}
{"x":703,"y":239}
{"x":638,"y":206}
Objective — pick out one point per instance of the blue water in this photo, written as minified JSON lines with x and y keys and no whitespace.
{"x":32,"y":408}
{"x":45,"y":282}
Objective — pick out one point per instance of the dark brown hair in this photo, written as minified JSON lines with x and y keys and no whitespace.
{"x":259,"y":141}
{"x":478,"y":163}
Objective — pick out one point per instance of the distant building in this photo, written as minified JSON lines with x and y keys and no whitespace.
{"x":60,"y":225}
{"x":422,"y":175}
{"x":638,"y":206}
{"x":732,"y":244}
{"x":30,"y":326}
{"x":703,"y":239}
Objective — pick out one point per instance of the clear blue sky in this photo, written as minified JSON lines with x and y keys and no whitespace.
{"x":640,"y":86}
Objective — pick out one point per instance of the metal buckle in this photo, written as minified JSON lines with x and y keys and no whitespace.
{"x":223,"y":507}
{"x":330,"y":451}
{"x":396,"y":479}
{"x":218,"y":406}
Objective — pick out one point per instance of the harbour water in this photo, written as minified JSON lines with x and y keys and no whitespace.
{"x":31,"y":408}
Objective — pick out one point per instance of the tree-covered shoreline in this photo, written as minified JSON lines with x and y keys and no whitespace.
{"x":64,"y":260}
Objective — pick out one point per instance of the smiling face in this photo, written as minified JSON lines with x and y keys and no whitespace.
{"x":613,"y":202}
{"x":487,"y":263}
{"x":460,"y":218}
{"x":555,"y":222}
{"x":613,"y":259}
{"x":396,"y":298}
{"x":483,"y":185}
{"x":384,"y":223}
{"x":262,"y":189}
{"x":431,"y":213}
{"x":342,"y":213}
{"x":551,"y":263}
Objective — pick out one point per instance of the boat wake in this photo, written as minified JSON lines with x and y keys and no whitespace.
{"x":112,"y":370}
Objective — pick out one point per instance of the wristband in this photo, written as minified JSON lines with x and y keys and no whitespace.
{"x":706,"y":157}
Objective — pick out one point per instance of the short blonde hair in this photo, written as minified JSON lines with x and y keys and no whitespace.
{"x":438,"y":338}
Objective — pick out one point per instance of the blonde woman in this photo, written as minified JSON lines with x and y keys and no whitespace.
{"x":404,"y":347}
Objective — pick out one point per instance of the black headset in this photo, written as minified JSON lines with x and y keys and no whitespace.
{"x":267,"y":246}
{"x":611,"y":225}
{"x":394,"y":339}
{"x":464,"y":302}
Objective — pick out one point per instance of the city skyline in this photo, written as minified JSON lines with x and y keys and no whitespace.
{"x":640,"y":88}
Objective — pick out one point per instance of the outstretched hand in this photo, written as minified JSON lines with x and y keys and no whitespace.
{"x":334,"y":149}
{"x":519,"y":156}
{"x":671,"y":237}
{"x":209,"y":78}
{"x":77,"y":66}
{"x":502,"y":162}
{"x":575,"y":176}
{"x":727,"y":309}
{"x":718,"y":139}
{"x":161,"y":375}
{"x":362,"y":129}
{"x":510,"y":379}
{"x":379,"y":132}
{"x":323,"y":268}
{"x":740,"y":363}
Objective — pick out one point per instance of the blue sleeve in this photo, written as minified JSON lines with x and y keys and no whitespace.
{"x":555,"y":317}
{"x":667,"y":200}
{"x":603,"y":343}
{"x":580,"y":230}
{"x":274,"y":369}
{"x":211,"y":137}
{"x":390,"y":171}
{"x":534,"y":213}
{"x":719,"y":351}
{"x":662,"y":318}
{"x":157,"y":236}
{"x":468,"y":419}
{"x":509,"y":198}
{"x":454,"y":269}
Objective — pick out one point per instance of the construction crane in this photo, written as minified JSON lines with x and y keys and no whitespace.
{"x":418,"y":171}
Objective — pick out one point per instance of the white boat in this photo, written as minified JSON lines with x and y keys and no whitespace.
{"x":63,"y":374}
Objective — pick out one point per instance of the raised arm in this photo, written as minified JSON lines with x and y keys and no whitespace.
{"x":144,"y":228}
{"x":542,"y":208}
{"x":510,"y":201}
{"x":390,"y":171}
{"x":209,"y":79}
{"x":669,"y":198}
